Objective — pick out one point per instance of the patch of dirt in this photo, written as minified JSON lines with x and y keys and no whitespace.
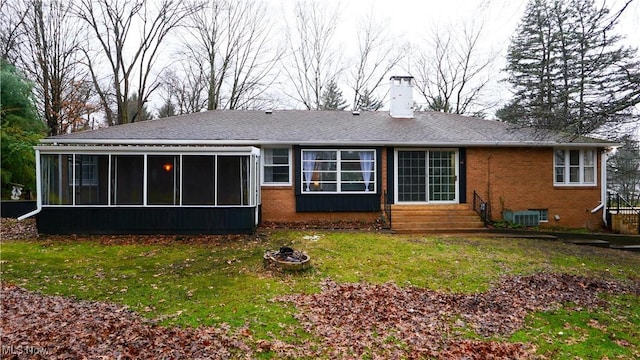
{"x":350,"y":321}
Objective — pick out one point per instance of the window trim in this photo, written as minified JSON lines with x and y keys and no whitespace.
{"x":567,"y":167}
{"x":373,"y":182}
{"x":396,"y":176}
{"x":263,"y":165}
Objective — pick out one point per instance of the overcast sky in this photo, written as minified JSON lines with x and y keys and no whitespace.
{"x":414,"y":19}
{"x":500,"y":17}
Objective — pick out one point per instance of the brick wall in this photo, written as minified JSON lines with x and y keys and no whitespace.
{"x":522,"y":178}
{"x":509,"y":178}
{"x":279,"y":203}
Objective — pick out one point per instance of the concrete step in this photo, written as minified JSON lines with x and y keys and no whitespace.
{"x":436,"y":224}
{"x":434,"y":218}
{"x":590,"y":242}
{"x":438,"y":231}
{"x":635,"y":248}
{"x":433,"y":213}
{"x":396,"y":207}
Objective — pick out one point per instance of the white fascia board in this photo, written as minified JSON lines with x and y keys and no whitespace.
{"x":154,"y":142}
{"x":88,"y":143}
{"x":230,"y":150}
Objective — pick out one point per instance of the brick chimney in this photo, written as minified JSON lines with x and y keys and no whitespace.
{"x":401,"y":97}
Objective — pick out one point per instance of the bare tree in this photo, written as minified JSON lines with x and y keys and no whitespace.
{"x":377,"y":55}
{"x":186,"y":88}
{"x":450,"y":74}
{"x":129,"y":35}
{"x":12,"y":31}
{"x":314,"y":61}
{"x":51,"y":57}
{"x":230,"y":41}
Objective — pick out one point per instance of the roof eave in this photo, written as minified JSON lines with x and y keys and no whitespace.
{"x":255,"y":142}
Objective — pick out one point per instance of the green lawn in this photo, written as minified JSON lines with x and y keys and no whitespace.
{"x":193,"y":284}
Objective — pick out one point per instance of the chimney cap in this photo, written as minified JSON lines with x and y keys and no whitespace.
{"x":409,"y":77}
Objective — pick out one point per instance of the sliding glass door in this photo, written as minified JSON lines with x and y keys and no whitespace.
{"x":427,"y":176}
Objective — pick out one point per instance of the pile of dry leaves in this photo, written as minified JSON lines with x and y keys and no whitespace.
{"x":349,"y":321}
{"x":53,"y":327}
{"x":326,"y":225}
{"x":387,"y":321}
{"x":11,"y":229}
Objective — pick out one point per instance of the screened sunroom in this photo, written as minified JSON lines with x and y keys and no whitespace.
{"x":148,"y":189}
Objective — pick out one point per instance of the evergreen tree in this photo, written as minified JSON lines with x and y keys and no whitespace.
{"x":132,"y":110}
{"x":623,"y":169}
{"x":367,"y":102}
{"x":20,"y":128}
{"x":166,"y":110}
{"x":568,"y":71}
{"x":332,"y":98}
{"x":437,"y":103}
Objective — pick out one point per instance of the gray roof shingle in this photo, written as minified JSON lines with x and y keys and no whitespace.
{"x":225,"y":127}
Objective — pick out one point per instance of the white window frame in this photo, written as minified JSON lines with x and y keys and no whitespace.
{"x":582,"y":166}
{"x":373,"y":182}
{"x":264,"y":165}
{"x":428,"y":151}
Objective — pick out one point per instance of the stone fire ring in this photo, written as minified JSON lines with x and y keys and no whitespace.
{"x":287,"y":259}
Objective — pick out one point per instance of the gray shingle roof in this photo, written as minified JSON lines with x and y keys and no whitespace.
{"x":225,"y":127}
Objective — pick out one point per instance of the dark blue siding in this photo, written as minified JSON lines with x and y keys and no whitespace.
{"x":148,"y":220}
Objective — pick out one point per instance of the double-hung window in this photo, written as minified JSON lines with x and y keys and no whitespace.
{"x":276,"y":163}
{"x":338,"y":171}
{"x":575,"y":167}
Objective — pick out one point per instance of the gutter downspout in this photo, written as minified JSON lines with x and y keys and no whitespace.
{"x":38,"y":190}
{"x":603,"y":188}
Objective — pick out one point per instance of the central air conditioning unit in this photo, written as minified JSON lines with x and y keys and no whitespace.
{"x":523,"y":218}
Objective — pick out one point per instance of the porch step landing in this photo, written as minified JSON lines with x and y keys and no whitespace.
{"x":434,"y":218}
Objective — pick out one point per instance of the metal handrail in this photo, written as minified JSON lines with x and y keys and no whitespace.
{"x":482,"y":208}
{"x":387,"y":208}
{"x":630,"y":214}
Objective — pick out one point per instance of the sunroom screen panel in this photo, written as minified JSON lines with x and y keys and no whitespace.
{"x":91,"y":179}
{"x":163,"y":180}
{"x":198,"y":180}
{"x":57,"y":181}
{"x":233,"y":184}
{"x":128,"y":179}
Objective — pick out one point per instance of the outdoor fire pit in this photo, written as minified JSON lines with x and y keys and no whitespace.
{"x":287,"y":259}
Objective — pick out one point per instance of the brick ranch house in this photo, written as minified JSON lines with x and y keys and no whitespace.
{"x":227,"y":171}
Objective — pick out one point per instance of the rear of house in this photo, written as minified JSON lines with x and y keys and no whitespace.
{"x":227,"y":171}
